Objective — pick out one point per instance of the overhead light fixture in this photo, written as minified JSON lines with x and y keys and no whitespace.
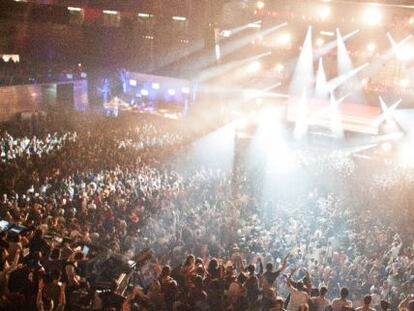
{"x":327,"y":33}
{"x":324,"y":12}
{"x":260,"y":5}
{"x":372,"y":16}
{"x":144,"y":15}
{"x":110,"y":12}
{"x":74,"y":9}
{"x":371,"y":47}
{"x":179,"y":18}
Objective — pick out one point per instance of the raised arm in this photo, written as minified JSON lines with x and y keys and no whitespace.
{"x":284,"y":264}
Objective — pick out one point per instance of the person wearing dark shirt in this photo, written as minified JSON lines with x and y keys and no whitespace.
{"x":252,"y":286}
{"x":168,"y":287}
{"x":269,"y":276}
{"x":38,"y":243}
{"x":3,"y":240}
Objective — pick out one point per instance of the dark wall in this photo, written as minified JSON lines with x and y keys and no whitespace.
{"x":43,"y":33}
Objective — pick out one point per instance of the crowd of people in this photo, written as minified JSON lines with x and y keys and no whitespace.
{"x":121,"y":186}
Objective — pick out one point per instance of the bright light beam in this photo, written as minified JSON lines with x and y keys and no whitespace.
{"x":303,"y":75}
{"x":386,"y":56}
{"x":398,"y":48}
{"x":387,"y":112}
{"x":345,"y":65}
{"x":324,"y":49}
{"x":219,"y":70}
{"x":232,"y":46}
{"x":335,"y":117}
{"x":301,"y":122}
{"x":321,"y":89}
{"x":334,"y":83}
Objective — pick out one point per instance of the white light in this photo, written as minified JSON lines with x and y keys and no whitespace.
{"x":185,"y":90}
{"x":226,"y":33}
{"x":74,"y":9}
{"x":171,"y":92}
{"x":155,"y":86}
{"x":280,"y":67}
{"x":284,"y":39}
{"x":217,"y":51}
{"x":84,"y":75}
{"x":179,"y":18}
{"x":371,"y":47}
{"x":320,"y":42}
{"x":324,"y":12}
{"x":254,"y":67}
{"x":404,"y":83}
{"x":407,"y":155}
{"x":260,"y":5}
{"x":411,"y":21}
{"x":69,"y":76}
{"x":132,"y":82}
{"x":327,"y":33}
{"x":144,"y":92}
{"x":386,"y":147}
{"x":144,"y":15}
{"x":256,"y":25}
{"x":364,"y":81}
{"x":110,"y":12}
{"x":241,"y":124}
{"x":372,"y":16}
{"x":405,"y":52}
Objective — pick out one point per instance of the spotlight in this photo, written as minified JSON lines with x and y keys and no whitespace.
{"x":254,"y":67}
{"x":132,"y":82}
{"x":372,"y":16}
{"x":405,"y":53}
{"x":320,"y":42}
{"x":324,"y":12}
{"x":171,"y":92}
{"x":144,"y":92}
{"x":155,"y":86}
{"x":241,"y":124}
{"x":284,"y":39}
{"x":411,"y":21}
{"x":260,"y":5}
{"x":386,"y":147}
{"x":371,"y":47}
{"x":404,"y":83}
{"x":226,"y":33}
{"x":280,"y":67}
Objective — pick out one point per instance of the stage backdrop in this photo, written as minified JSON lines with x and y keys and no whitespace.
{"x":160,"y":88}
